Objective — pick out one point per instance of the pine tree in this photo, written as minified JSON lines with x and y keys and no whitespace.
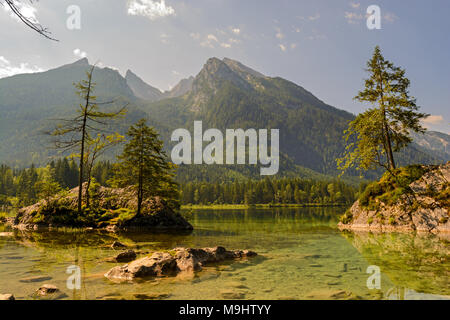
{"x":47,"y":186}
{"x":143,"y":165}
{"x":376,"y":134}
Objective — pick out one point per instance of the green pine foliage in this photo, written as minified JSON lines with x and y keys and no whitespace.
{"x":269,"y":191}
{"x":144,"y":165}
{"x":385,"y":128}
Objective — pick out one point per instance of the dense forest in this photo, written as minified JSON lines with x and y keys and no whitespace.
{"x":24,"y":187}
{"x":269,"y":191}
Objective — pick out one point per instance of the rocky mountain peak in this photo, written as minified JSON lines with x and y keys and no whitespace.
{"x":214,"y":73}
{"x":141,"y":89}
{"x":241,"y":69}
{"x":81,"y":62}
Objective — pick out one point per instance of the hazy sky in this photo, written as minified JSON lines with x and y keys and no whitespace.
{"x":322,"y":45}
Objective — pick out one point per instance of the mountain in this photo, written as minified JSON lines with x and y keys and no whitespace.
{"x":183,"y":87}
{"x":146,"y":92}
{"x":225,"y":94}
{"x":29,"y":102}
{"x":435,"y":142}
{"x":141,"y":89}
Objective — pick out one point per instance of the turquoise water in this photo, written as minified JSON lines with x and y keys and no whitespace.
{"x":302,"y":255}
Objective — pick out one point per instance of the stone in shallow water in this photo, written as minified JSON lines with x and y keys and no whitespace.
{"x":49,"y":291}
{"x":315,"y":265}
{"x":7,"y":296}
{"x":332,"y":294}
{"x":117,"y":244}
{"x":152,"y":296}
{"x":236,"y":285}
{"x":124,"y":256}
{"x":35,"y":279}
{"x":178,"y":260}
{"x":232,"y":295}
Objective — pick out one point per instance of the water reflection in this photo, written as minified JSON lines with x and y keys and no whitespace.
{"x":413,"y":262}
{"x":303,"y":256}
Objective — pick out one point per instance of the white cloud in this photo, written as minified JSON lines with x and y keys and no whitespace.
{"x":25,"y":9}
{"x":151,"y":9}
{"x":282,"y":47}
{"x":279,"y":35}
{"x":236,"y":31}
{"x":353,"y":17}
{"x":7,"y":69}
{"x":390,"y":17}
{"x":164,"y":38}
{"x":314,"y":17}
{"x":195,"y":36}
{"x":212,"y":37}
{"x":218,"y":38}
{"x":80,"y":54}
{"x":434,"y":119}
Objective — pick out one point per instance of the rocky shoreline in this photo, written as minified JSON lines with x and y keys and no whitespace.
{"x":159,"y":264}
{"x":424,"y":208}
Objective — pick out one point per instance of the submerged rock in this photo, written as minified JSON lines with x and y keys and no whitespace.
{"x":49,"y":292}
{"x":174,"y":262}
{"x":7,"y":296}
{"x":35,"y":279}
{"x":117,"y":244}
{"x":47,"y":289}
{"x":424,"y":206}
{"x":152,"y":296}
{"x":125,"y":256}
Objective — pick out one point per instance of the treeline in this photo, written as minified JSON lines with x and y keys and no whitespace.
{"x":23,"y":187}
{"x":269,"y":191}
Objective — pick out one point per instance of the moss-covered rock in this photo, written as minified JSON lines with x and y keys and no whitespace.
{"x":416,"y":198}
{"x":111,"y":209}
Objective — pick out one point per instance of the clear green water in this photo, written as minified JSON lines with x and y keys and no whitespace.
{"x":302,"y":255}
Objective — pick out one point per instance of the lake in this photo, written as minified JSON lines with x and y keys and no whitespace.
{"x":302,"y":255}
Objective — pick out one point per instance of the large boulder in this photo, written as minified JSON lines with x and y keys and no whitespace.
{"x":173,"y":262}
{"x":423,"y":207}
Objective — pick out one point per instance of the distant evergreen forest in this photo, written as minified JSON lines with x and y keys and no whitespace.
{"x":20,"y":187}
{"x":269,"y":191}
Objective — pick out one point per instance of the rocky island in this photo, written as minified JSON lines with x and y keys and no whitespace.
{"x":112,"y":209}
{"x":416,"y":198}
{"x":173,"y":262}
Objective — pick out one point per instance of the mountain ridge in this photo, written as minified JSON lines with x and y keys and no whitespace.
{"x":224,"y":94}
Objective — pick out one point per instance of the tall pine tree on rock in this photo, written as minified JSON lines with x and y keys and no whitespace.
{"x":377,"y":133}
{"x":144,"y":165}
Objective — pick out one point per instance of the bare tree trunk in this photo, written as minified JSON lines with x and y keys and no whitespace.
{"x":83,"y":140}
{"x":80,"y":182}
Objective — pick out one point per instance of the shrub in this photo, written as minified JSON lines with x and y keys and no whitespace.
{"x":347,"y":217}
{"x":391,"y":221}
